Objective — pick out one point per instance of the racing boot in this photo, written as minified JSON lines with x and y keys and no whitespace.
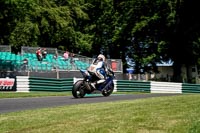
{"x":93,"y":85}
{"x":100,"y":81}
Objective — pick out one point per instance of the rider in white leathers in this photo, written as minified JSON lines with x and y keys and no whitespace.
{"x":99,"y":67}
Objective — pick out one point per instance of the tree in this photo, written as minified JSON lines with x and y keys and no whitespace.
{"x":184,"y":36}
{"x":44,"y":23}
{"x":100,"y":26}
{"x":156,"y":30}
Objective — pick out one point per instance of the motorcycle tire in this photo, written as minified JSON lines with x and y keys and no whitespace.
{"x":78,"y":90}
{"x":108,"y":91}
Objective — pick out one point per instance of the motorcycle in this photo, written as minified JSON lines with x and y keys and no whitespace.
{"x":83,"y":86}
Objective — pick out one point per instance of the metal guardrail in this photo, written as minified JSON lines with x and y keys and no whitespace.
{"x":5,"y":48}
{"x":10,"y":62}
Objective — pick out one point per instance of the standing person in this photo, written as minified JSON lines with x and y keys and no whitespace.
{"x":25,"y":64}
{"x":55,"y":62}
{"x":71,"y":55}
{"x":66,"y":55}
{"x":39,"y":54}
{"x":44,"y":53}
{"x":55,"y":55}
{"x":99,"y":68}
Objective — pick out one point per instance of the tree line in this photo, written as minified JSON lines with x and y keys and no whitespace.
{"x":149,"y":31}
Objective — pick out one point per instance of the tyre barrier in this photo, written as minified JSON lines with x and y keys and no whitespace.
{"x":26,"y":84}
{"x":132,"y":86}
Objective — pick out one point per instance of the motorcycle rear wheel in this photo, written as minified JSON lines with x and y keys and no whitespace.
{"x":78,"y":90}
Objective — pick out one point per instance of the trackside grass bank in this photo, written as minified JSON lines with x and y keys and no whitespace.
{"x":43,"y":94}
{"x":32,"y":94}
{"x":174,"y":114}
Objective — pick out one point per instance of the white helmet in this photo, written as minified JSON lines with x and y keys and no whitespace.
{"x":102,"y":57}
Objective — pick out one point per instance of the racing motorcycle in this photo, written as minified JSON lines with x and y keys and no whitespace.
{"x":83,"y":86}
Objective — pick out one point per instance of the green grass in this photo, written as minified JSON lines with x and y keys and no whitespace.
{"x":10,"y":94}
{"x":175,"y":114}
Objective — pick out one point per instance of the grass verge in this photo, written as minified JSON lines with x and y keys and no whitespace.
{"x":9,"y":94}
{"x":175,"y":114}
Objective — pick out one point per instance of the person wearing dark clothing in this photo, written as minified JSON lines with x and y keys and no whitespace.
{"x":24,"y":64}
{"x":44,"y":53}
{"x":71,"y":56}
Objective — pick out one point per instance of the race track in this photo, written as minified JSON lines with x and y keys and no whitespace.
{"x":17,"y":104}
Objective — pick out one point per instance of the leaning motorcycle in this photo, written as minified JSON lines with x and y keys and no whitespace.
{"x":83,"y":86}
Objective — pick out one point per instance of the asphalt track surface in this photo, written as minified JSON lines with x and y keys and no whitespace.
{"x":18,"y":104}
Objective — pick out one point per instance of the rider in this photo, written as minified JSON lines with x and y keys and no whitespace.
{"x":99,"y":67}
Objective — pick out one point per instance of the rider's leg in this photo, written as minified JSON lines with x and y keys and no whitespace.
{"x":100,"y":81}
{"x":101,"y":77}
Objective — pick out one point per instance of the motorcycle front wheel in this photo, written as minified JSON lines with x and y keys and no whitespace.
{"x":108,"y":91}
{"x":78,"y":90}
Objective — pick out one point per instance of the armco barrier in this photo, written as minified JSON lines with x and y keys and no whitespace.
{"x":133,"y":86}
{"x":50,"y":84}
{"x":190,"y":88}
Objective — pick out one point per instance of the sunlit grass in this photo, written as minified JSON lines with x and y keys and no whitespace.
{"x":173,"y":114}
{"x":10,"y":94}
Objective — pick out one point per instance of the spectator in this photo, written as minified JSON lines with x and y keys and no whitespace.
{"x":25,"y":64}
{"x":25,"y":61}
{"x":71,"y":55}
{"x":66,"y":55}
{"x":39,"y":54}
{"x":55,"y":56}
{"x":44,"y":53}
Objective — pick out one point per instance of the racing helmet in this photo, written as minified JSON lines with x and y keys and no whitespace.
{"x":100,"y":56}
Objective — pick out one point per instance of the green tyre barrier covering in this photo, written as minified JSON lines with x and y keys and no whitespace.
{"x":133,"y":86}
{"x":190,"y":88}
{"x":50,"y":84}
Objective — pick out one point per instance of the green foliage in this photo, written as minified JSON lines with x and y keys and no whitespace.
{"x":45,"y":23}
{"x":151,"y":30}
{"x":25,"y":34}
